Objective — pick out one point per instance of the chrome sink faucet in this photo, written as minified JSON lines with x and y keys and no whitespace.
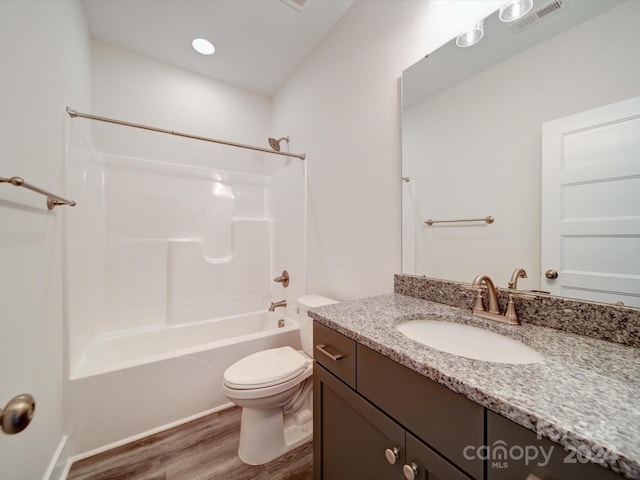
{"x":493,"y":312}
{"x":274,"y":305}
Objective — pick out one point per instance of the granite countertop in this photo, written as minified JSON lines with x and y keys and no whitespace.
{"x":585,"y":393}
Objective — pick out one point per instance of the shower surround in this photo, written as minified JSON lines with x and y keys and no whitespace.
{"x":169,"y":268}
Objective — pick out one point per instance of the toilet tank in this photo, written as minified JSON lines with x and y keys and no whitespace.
{"x":306,"y":322}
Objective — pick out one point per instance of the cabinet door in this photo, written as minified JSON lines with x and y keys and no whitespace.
{"x":446,"y":421}
{"x":351,"y":436}
{"x":516,"y":453}
{"x":423,"y":463}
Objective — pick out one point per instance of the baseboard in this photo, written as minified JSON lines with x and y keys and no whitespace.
{"x":119,"y":443}
{"x":59,"y":464}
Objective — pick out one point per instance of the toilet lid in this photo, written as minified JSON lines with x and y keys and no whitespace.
{"x":265,"y":368}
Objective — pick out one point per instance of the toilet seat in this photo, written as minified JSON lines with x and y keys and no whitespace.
{"x":265,"y":369}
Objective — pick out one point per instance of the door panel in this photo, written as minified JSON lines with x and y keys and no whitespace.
{"x":591,"y":204}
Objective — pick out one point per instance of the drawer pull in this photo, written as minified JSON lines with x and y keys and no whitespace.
{"x":322,"y":348}
{"x":410,"y":472}
{"x":392,"y":455}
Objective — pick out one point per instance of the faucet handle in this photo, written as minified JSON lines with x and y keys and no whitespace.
{"x":479,"y":306}
{"x":511,"y":315}
{"x":283,"y":279}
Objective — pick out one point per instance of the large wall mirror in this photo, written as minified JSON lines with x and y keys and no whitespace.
{"x":472,"y":126}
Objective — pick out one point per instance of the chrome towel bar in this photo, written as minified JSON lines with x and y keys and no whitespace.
{"x":52,"y":199}
{"x":487,"y":220}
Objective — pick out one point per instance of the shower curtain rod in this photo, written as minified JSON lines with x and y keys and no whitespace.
{"x":72,"y":113}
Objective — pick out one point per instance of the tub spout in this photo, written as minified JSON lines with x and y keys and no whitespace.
{"x":274,"y":305}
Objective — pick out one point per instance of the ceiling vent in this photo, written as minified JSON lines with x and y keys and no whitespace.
{"x":300,"y":5}
{"x":537,"y":16}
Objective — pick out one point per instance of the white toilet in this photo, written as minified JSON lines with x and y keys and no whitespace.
{"x":273,"y":387}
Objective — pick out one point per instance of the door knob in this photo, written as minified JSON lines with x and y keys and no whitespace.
{"x":17,"y":414}
{"x":551,"y":274}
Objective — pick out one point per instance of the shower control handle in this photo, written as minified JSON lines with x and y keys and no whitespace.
{"x":283,"y":279}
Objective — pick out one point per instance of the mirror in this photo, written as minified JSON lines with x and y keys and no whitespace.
{"x":471,"y":128}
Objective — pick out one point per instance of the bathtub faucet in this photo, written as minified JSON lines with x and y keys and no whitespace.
{"x":274,"y":305}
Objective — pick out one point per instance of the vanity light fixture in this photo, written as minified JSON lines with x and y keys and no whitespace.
{"x":203,"y":46}
{"x":515,"y":9}
{"x":471,"y":35}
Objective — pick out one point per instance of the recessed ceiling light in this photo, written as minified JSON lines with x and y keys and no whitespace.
{"x":205,"y":47}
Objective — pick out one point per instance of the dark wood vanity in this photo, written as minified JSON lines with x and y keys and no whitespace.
{"x":377,"y":419}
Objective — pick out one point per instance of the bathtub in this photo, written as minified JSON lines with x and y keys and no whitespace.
{"x":124,"y":385}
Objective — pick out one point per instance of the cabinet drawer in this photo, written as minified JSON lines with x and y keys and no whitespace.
{"x":335,"y":352}
{"x":444,"y":420}
{"x":516,"y":452}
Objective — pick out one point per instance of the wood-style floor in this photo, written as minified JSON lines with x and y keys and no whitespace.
{"x":204,"y":449}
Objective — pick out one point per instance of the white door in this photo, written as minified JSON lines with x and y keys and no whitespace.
{"x":41,"y":74}
{"x":590,"y":227}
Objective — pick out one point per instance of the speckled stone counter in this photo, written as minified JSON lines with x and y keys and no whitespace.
{"x":613,"y":323}
{"x":585,"y":393}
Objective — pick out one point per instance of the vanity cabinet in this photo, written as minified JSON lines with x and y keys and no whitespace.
{"x":376,"y":419}
{"x":354,"y":438}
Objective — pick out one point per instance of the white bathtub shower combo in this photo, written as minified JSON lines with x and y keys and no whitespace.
{"x":171,"y":253}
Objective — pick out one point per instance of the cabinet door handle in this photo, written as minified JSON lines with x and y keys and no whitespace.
{"x":322,"y":348}
{"x":392,"y":455}
{"x":410,"y":472}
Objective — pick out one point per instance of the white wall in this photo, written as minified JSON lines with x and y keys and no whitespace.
{"x":342,"y":108}
{"x":44,"y":53}
{"x":138,"y":89}
{"x":474,"y":150}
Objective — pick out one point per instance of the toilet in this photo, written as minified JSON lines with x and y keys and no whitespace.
{"x":273,"y":387}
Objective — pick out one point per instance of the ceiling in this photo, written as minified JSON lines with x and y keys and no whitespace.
{"x":259,"y":43}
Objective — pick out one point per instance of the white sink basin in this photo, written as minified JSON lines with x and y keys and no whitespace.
{"x":468,"y":341}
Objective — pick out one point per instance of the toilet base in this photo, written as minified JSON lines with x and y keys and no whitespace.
{"x":265,"y":434}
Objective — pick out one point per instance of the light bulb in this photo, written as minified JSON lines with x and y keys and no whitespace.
{"x":471,"y":35}
{"x":203,"y":46}
{"x":515,"y":10}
